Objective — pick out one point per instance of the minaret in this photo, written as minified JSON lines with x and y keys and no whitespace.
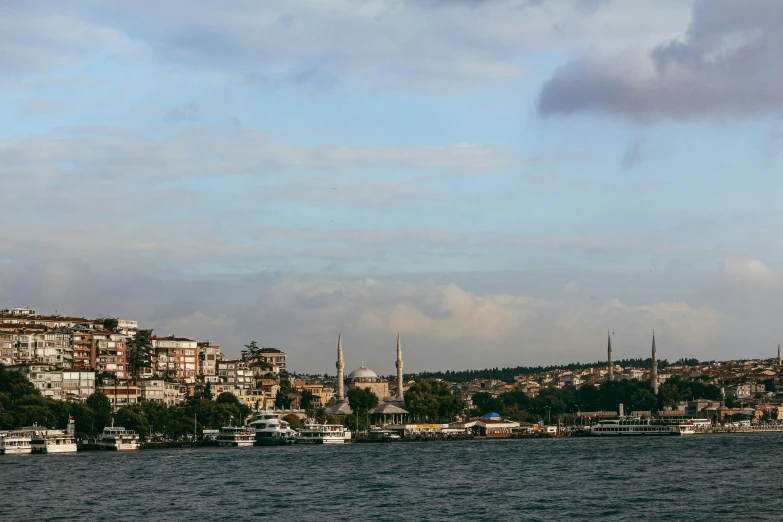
{"x":611,"y":365}
{"x":780,"y":362}
{"x":340,"y":368}
{"x":400,"y":384}
{"x":654,"y":367}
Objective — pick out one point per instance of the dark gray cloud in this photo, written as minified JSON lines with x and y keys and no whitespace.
{"x":727,"y":65}
{"x":634,"y":153}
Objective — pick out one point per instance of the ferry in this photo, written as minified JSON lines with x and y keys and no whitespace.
{"x":236,"y":436}
{"x":118,"y":439}
{"x":322,"y":434}
{"x":54,"y":441}
{"x":626,"y":427}
{"x":272,"y":432}
{"x":15,"y":443}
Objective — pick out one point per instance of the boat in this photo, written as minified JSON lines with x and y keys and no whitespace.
{"x":381,"y":435}
{"x":118,"y":439}
{"x":15,"y":443}
{"x":236,"y":436}
{"x":630,"y":427}
{"x":321,"y":434}
{"x":54,"y":441}
{"x":272,"y":432}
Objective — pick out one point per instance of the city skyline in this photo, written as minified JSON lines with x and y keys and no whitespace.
{"x":500,"y":182}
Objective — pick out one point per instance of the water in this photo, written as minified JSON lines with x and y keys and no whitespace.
{"x":707,"y":477}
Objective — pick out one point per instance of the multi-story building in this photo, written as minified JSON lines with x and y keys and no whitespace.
{"x":175,"y":357}
{"x":120,"y":393}
{"x":208,"y":355}
{"x":273,"y":356}
{"x":102,"y":351}
{"x":236,"y":373}
{"x":158,"y":390}
{"x":58,"y":384}
{"x":6,"y":348}
{"x":17,"y":312}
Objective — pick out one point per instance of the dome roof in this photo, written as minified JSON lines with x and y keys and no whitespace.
{"x":362,"y":373}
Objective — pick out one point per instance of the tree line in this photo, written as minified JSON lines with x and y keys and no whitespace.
{"x":634,"y":395}
{"x":507,"y":374}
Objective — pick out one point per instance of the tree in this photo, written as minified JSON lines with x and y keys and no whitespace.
{"x":362,"y":401}
{"x":208,"y":391}
{"x":320,"y":415}
{"x":100,"y":405}
{"x":139,"y":351}
{"x":111,"y":324}
{"x":294,"y":421}
{"x":432,"y":401}
{"x":283,"y":400}
{"x":306,"y":399}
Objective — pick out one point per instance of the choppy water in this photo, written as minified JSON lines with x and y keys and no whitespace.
{"x":708,"y":477}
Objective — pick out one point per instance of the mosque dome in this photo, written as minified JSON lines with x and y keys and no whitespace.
{"x":362,"y":373}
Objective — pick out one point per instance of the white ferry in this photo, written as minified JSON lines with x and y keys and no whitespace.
{"x":15,"y":443}
{"x":236,"y":436}
{"x":54,"y":441}
{"x":322,"y":434}
{"x":118,"y":439}
{"x":272,"y":432}
{"x":627,"y":427}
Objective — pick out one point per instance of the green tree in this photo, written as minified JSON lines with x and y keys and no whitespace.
{"x":100,"y":405}
{"x":306,"y":399}
{"x":320,"y":416}
{"x":139,"y":353}
{"x":432,"y":401}
{"x":208,"y":392}
{"x":362,"y":401}
{"x":294,"y":421}
{"x":111,"y":324}
{"x":132,"y":418}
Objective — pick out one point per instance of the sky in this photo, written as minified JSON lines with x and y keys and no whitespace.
{"x":499,"y":181}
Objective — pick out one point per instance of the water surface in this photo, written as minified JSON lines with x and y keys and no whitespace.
{"x":707,"y":477}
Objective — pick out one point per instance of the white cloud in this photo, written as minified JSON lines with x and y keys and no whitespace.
{"x":750,"y":274}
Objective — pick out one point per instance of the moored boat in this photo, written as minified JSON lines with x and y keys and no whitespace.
{"x":631,"y":427}
{"x":236,"y":436}
{"x":54,"y":441}
{"x":15,"y":443}
{"x":321,"y":434}
{"x":272,"y":432}
{"x":118,"y":439}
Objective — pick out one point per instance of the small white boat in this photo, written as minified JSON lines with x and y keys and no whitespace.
{"x":54,"y":441}
{"x":322,"y":434}
{"x":118,"y":439}
{"x":15,"y":443}
{"x":236,"y":436}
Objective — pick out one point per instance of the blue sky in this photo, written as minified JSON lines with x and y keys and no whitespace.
{"x":499,"y":181}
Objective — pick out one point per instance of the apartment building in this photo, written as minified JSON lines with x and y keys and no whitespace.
{"x":236,"y":373}
{"x":208,"y":356}
{"x":175,"y":357}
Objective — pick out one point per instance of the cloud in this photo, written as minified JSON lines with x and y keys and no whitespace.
{"x":751,"y":274}
{"x":434,"y":47}
{"x":40,"y":107}
{"x":633,"y":154}
{"x":187,"y":113}
{"x":726,"y":65}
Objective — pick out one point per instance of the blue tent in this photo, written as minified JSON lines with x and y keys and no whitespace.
{"x":491,"y":415}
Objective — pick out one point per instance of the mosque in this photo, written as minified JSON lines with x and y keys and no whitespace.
{"x":390,"y":409}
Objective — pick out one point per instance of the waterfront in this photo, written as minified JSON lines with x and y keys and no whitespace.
{"x":693,"y":478}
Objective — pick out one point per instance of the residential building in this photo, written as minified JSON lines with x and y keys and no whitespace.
{"x":236,"y":373}
{"x":208,"y":355}
{"x":175,"y":357}
{"x":120,"y":393}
